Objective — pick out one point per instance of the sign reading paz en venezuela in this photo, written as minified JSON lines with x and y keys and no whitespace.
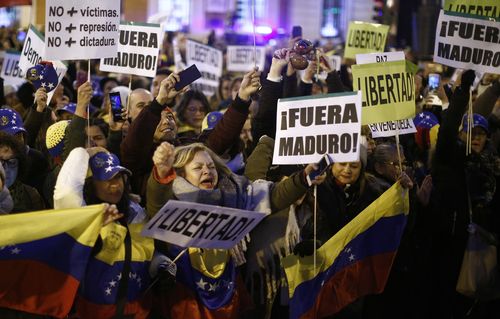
{"x":388,"y":90}
{"x":309,"y":127}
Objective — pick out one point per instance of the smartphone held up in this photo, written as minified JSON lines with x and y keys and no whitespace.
{"x":323,"y":165}
{"x":116,"y":106}
{"x":187,"y":77}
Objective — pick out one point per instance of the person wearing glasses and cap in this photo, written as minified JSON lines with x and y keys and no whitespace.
{"x":95,"y":176}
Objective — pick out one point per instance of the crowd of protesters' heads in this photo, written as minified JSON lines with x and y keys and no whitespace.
{"x":71,"y":151}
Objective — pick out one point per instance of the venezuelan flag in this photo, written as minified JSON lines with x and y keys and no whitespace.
{"x":208,"y":287}
{"x":354,"y":262}
{"x":99,"y":290}
{"x":43,"y":257}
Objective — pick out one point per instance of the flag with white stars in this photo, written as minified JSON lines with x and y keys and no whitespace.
{"x":43,"y":76}
{"x":359,"y":255}
{"x":99,"y":290}
{"x":44,"y":255}
{"x":208,"y":286}
{"x":425,"y":119}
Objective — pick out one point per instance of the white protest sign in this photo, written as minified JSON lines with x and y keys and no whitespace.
{"x":209,"y":61}
{"x":379,"y":57}
{"x":467,"y":43}
{"x":81,"y":29}
{"x":389,"y":128}
{"x":189,"y":224}
{"x":11,"y":73}
{"x":33,"y":49}
{"x":240,"y":58}
{"x":137,"y":50}
{"x":308,"y":127}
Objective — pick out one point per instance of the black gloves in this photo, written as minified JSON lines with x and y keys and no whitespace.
{"x":468,"y":78}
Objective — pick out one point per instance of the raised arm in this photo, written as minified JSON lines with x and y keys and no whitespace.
{"x":68,"y":192}
{"x":37,"y":116}
{"x":264,"y":122}
{"x":75,"y":132}
{"x":159,"y":187}
{"x":138,"y":144}
{"x":227,"y":131}
{"x":448,"y":130}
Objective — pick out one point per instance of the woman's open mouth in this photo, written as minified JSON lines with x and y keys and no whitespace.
{"x":207,"y":183}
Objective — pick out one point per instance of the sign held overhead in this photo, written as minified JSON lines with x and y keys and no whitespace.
{"x":467,"y":43}
{"x":240,"y":58}
{"x":138,"y":49}
{"x":81,"y":29}
{"x":309,"y":127}
{"x":209,"y":61}
{"x":388,"y":90}
{"x":363,"y":37}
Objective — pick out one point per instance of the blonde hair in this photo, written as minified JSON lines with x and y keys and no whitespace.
{"x":185,"y":154}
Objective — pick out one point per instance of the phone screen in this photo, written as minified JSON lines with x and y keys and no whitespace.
{"x":322,"y":166}
{"x":187,"y":77}
{"x":116,"y":106}
{"x":434,"y":81}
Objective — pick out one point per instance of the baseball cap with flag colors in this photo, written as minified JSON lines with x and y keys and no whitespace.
{"x":11,"y":122}
{"x":105,"y":166}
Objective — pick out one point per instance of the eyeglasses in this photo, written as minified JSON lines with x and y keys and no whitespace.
{"x":11,"y":163}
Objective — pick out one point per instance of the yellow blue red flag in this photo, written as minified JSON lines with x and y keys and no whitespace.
{"x":43,"y":257}
{"x":98,"y":295}
{"x":355,"y":262}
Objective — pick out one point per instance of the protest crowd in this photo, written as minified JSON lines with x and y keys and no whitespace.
{"x":296,"y":186}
